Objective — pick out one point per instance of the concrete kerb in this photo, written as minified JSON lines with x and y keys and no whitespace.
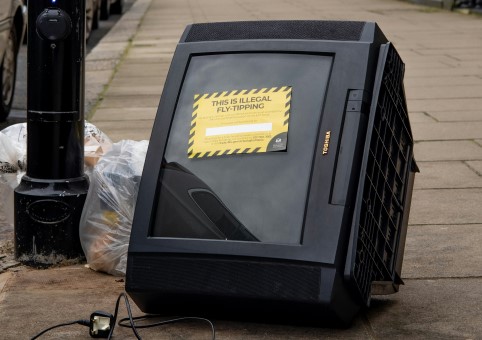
{"x":102,"y":62}
{"x":448,"y":5}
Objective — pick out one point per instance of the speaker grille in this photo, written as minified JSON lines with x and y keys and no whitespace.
{"x":224,"y":278}
{"x":305,"y":30}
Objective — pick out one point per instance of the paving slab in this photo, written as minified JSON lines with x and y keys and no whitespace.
{"x":416,"y":64}
{"x":108,"y":51}
{"x":156,"y":79}
{"x":459,"y":130}
{"x":465,"y":56}
{"x":451,"y":174}
{"x":156,"y":61}
{"x":129,"y":90}
{"x":116,"y":130}
{"x":447,"y":150}
{"x":447,"y":71}
{"x":429,"y":309}
{"x":445,"y":104}
{"x":475,"y":166}
{"x":99,"y":65}
{"x":127,"y":114}
{"x":457,"y":53}
{"x":4,"y":277}
{"x":457,"y":116}
{"x":440,"y":41}
{"x":420,"y":117}
{"x":149,"y":51}
{"x":442,"y":82}
{"x":157,"y":71}
{"x":457,"y":249}
{"x":446,"y":206}
{"x":111,"y":101}
{"x":455,"y":91}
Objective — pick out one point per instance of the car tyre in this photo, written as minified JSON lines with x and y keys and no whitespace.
{"x":95,"y":23}
{"x":104,"y":9}
{"x":117,"y":7}
{"x":8,"y":71}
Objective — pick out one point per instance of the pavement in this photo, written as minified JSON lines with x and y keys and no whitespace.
{"x":442,"y":270}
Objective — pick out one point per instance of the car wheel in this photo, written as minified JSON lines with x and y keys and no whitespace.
{"x":95,"y":22}
{"x":117,"y":7}
{"x":104,"y":9}
{"x":8,"y":69}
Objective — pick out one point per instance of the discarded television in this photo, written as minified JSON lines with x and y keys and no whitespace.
{"x":279,"y":175}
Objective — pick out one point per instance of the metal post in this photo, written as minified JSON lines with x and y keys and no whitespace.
{"x":50,"y":197}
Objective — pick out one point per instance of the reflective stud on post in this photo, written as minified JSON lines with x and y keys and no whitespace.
{"x":50,"y":197}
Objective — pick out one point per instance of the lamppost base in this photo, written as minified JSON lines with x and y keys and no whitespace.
{"x":47,"y":215}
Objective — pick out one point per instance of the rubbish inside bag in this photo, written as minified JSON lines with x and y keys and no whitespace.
{"x":96,"y":144}
{"x":105,"y":225}
{"x":12,"y":168}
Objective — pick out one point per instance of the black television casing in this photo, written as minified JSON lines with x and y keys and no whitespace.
{"x":359,"y":183}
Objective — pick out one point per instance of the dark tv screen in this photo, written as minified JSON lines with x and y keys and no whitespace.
{"x":238,"y":159}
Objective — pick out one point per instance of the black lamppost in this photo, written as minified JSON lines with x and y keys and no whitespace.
{"x":50,"y":197}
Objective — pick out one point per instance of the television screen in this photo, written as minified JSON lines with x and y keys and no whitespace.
{"x":238,"y":159}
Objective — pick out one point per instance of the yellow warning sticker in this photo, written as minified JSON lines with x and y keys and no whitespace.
{"x":240,"y":121}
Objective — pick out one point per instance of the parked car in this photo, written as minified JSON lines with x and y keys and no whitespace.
{"x":100,"y":9}
{"x":108,"y":7}
{"x":12,"y":29}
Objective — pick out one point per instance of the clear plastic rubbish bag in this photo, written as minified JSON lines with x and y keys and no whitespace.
{"x":105,"y":225}
{"x":13,"y":161}
{"x":12,"y":167}
{"x":13,"y":148}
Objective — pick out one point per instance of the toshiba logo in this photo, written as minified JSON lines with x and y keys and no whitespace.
{"x":326,"y":144}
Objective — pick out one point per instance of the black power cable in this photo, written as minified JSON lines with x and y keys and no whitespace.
{"x":129,"y":313}
{"x":129,"y":322}
{"x":80,"y":322}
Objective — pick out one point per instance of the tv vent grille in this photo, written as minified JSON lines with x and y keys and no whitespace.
{"x":226,"y":278}
{"x":305,"y":30}
{"x":385,"y":182}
